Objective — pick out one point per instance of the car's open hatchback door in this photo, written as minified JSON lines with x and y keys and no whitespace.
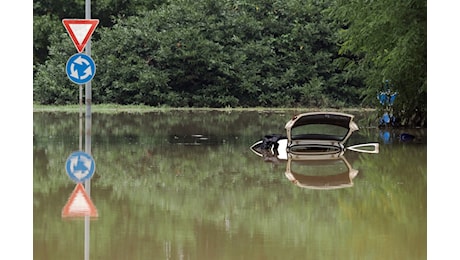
{"x":319,"y":132}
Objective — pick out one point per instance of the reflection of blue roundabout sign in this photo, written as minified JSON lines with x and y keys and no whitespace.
{"x":80,"y":68}
{"x":80,"y":166}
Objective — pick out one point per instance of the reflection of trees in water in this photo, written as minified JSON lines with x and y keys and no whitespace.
{"x":227,"y":188}
{"x":40,"y":161}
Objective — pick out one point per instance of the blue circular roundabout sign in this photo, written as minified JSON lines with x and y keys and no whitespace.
{"x":80,"y":68}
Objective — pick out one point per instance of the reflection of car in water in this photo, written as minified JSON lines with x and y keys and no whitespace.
{"x":321,"y":173}
{"x":314,"y":148}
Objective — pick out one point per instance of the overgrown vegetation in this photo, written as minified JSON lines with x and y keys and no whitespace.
{"x":250,"y":53}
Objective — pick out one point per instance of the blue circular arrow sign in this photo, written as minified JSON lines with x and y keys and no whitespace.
{"x":80,"y":166}
{"x":80,"y":68}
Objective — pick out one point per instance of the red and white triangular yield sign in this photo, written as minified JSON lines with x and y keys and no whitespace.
{"x":79,"y":204}
{"x":80,"y":30}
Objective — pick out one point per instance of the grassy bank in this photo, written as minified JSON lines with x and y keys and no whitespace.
{"x":114,"y":108}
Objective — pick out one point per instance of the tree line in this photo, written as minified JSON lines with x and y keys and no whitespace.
{"x":246,"y":53}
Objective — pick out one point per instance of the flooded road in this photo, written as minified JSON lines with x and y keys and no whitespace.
{"x":185,"y":185}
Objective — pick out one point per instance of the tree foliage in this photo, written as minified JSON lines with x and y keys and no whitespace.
{"x":234,"y":53}
{"x":390,"y":40}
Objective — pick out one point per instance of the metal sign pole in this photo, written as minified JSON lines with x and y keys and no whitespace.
{"x":88,"y":101}
{"x":80,"y":34}
{"x":88,"y":98}
{"x":80,"y":136}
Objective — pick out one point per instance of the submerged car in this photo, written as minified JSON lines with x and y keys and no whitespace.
{"x":313,"y":134}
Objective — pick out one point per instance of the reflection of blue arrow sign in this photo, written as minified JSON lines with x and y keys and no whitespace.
{"x":80,"y":68}
{"x":80,"y":166}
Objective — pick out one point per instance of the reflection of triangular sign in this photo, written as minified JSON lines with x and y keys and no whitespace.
{"x":79,"y":204}
{"x":80,"y":30}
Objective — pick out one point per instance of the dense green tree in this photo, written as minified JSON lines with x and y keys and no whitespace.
{"x":241,"y":53}
{"x":48,"y":15}
{"x":389,"y":39}
{"x":223,"y":54}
